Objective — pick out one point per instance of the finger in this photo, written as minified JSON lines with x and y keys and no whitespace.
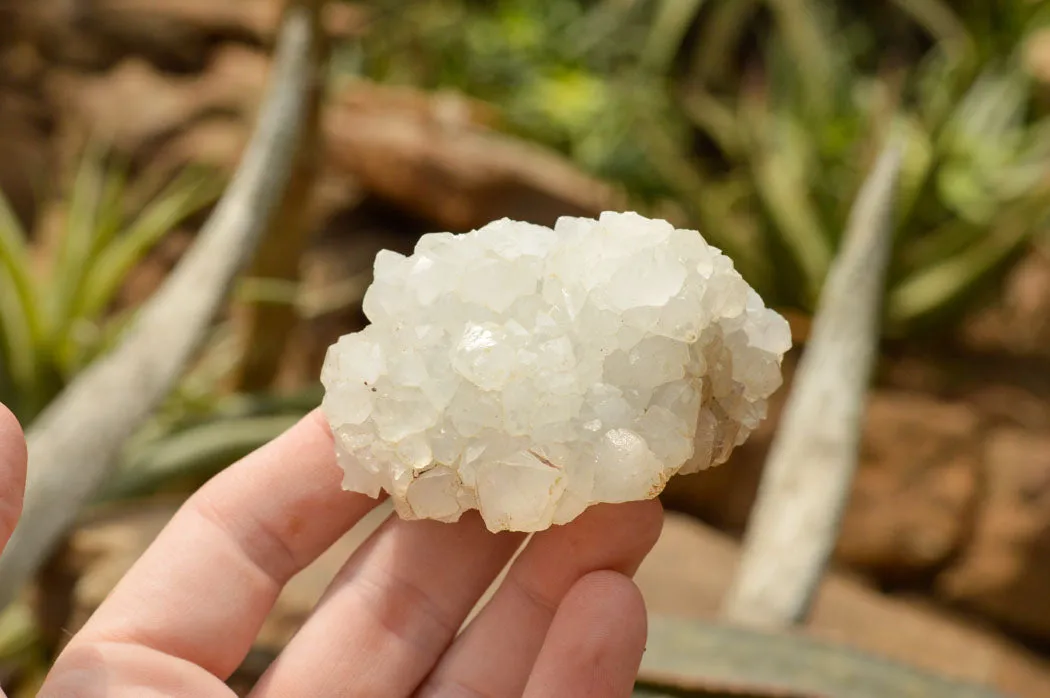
{"x":495,"y":654}
{"x":200,"y":593}
{"x":391,"y":611}
{"x":12,"y":473}
{"x":595,"y":644}
{"x":119,"y":670}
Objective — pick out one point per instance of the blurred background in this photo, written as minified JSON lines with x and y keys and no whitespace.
{"x":753,"y":121}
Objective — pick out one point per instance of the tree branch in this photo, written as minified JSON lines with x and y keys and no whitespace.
{"x":809,"y":473}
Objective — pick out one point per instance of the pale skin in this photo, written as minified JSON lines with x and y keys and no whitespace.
{"x":567,"y":621}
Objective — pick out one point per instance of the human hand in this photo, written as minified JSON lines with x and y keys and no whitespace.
{"x":567,"y":620}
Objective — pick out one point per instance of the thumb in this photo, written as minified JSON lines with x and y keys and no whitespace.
{"x":12,"y":473}
{"x":12,"y":476}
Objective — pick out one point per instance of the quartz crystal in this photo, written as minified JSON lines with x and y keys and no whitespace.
{"x":530,"y":373}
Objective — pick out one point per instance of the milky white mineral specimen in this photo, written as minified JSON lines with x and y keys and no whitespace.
{"x":530,"y":372}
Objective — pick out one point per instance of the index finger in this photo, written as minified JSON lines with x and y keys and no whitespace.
{"x":203,"y":589}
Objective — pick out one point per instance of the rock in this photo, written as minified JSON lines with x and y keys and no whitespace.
{"x":1017,"y":323}
{"x":689,"y":572}
{"x":913,"y":500}
{"x":112,"y":104}
{"x":916,"y":493}
{"x":173,"y":35}
{"x":1004,"y":573}
{"x":531,"y":372}
{"x":434,"y":156}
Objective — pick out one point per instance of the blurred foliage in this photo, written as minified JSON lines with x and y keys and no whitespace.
{"x":60,"y":309}
{"x":58,"y":296}
{"x":58,"y":286}
{"x":760,"y":118}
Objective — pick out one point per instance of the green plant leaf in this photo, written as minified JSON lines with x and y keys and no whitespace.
{"x":8,"y":393}
{"x":692,"y":657}
{"x":110,"y":216}
{"x":719,"y":36}
{"x":963,"y":189}
{"x":186,"y":195}
{"x":94,"y":339}
{"x":19,"y":352}
{"x":936,"y":81}
{"x":782,"y":179}
{"x":218,"y":362}
{"x":809,"y":46}
{"x":74,"y":251}
{"x":936,"y":286}
{"x":19,"y":311}
{"x":916,"y":166}
{"x":941,"y":22}
{"x":197,"y":452}
{"x":988,"y":121}
{"x":701,"y":198}
{"x":668,"y":29}
{"x":180,"y":447}
{"x":949,"y":239}
{"x":18,"y":630}
{"x":716,"y":119}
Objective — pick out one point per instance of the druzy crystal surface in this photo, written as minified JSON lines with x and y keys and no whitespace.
{"x":530,"y":373}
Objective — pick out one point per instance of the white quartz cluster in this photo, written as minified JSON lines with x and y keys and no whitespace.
{"x":530,"y":372}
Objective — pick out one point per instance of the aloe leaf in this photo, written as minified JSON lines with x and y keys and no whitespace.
{"x":809,"y":47}
{"x":672,"y":21}
{"x":218,"y":362}
{"x":19,"y":352}
{"x":714,"y":118}
{"x":937,"y":79}
{"x":782,"y":180}
{"x":990,"y":113}
{"x":963,"y":189}
{"x":188,"y":194}
{"x":19,"y":308}
{"x":698,"y":195}
{"x":77,"y":243}
{"x":93,"y":340}
{"x":917,"y":164}
{"x":85,"y":330}
{"x":14,"y":253}
{"x":110,"y":218}
{"x":8,"y":392}
{"x":1028,"y":171}
{"x":947,"y":240}
{"x":719,"y":34}
{"x":812,"y":460}
{"x":688,"y":657}
{"x":596,"y":28}
{"x":17,"y":629}
{"x":202,"y":449}
{"x":938,"y":285}
{"x":196,"y":453}
{"x":941,"y":23}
